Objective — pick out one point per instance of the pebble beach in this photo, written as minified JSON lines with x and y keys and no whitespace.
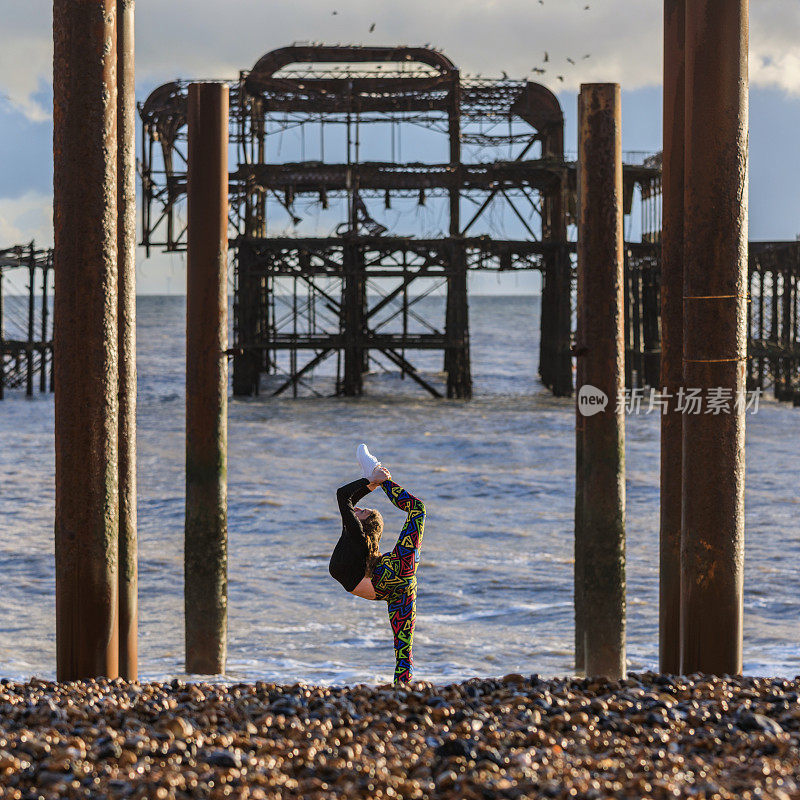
{"x":648,"y":736}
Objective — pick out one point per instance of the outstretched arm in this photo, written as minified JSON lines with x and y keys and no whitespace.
{"x":347,"y":496}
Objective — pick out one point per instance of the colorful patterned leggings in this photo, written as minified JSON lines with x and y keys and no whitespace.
{"x":395,"y":578}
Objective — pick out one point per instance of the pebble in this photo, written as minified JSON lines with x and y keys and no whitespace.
{"x":179,"y":727}
{"x":223,"y":758}
{"x":654,"y":736}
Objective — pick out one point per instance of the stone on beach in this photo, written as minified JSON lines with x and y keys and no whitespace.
{"x":654,"y":736}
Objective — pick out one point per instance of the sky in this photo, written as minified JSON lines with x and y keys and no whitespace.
{"x":215,"y":39}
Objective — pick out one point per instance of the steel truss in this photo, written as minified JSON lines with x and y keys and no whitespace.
{"x":773,"y":311}
{"x":774,"y":339}
{"x":339,"y":285}
{"x":26,"y":338}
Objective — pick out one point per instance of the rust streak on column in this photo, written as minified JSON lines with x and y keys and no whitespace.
{"x":85,"y":324}
{"x":457,"y":355}
{"x":45,"y":327}
{"x":715,"y":286}
{"x":672,"y":335}
{"x":602,"y":455}
{"x":206,"y":535}
{"x":579,"y":546}
{"x":2,"y":341}
{"x":31,"y":317}
{"x":126,"y":155}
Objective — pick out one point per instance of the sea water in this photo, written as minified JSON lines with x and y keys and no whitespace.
{"x":497,"y":477}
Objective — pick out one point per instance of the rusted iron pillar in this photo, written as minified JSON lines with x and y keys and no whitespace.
{"x":352,"y":321}
{"x":246,"y":308}
{"x":206,"y":534}
{"x":353,"y":315}
{"x":714,"y":336}
{"x":652,"y":334}
{"x":31,"y":315}
{"x":126,"y":227}
{"x":562,"y":376}
{"x":672,"y":335}
{"x":541,"y":109}
{"x":580,"y":534}
{"x":44,"y":328}
{"x":365,"y":308}
{"x":459,"y":373}
{"x":457,"y":352}
{"x":751,"y":366}
{"x":600,"y":347}
{"x":786,"y":341}
{"x":545,"y":335}
{"x":2,"y":343}
{"x":85,"y":329}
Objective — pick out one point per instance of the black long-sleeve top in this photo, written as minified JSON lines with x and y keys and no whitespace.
{"x":349,"y":560}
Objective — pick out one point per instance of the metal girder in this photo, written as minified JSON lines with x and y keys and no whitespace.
{"x":302,"y":85}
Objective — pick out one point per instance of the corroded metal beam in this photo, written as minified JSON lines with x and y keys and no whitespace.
{"x":126,"y":227}
{"x":672,"y":334}
{"x":600,"y":542}
{"x":714,"y":334}
{"x":206,"y":533}
{"x":85,"y":318}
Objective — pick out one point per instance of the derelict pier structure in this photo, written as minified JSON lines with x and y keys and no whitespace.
{"x":361,"y":120}
{"x":773,"y":307}
{"x":26,"y":328}
{"x":773,"y":318}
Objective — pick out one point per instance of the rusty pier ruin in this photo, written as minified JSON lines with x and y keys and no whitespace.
{"x":772,"y":320}
{"x":773,"y":306}
{"x":353,"y":289}
{"x":382,"y":133}
{"x":26,"y":329}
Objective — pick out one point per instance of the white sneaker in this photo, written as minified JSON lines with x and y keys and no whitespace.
{"x":367,"y":461}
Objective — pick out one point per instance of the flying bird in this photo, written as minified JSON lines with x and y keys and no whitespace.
{"x":570,"y":60}
{"x":561,"y":78}
{"x":539,"y":70}
{"x":588,"y":55}
{"x":334,"y":13}
{"x":372,"y":27}
{"x":546,"y":56}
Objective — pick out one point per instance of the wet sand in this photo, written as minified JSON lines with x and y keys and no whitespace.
{"x":649,"y":736}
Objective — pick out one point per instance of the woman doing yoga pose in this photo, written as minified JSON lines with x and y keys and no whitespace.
{"x":358,"y":565}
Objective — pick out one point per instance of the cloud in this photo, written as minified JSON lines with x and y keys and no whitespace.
{"x":27,"y":217}
{"x":481,"y":37}
{"x":211,"y":38}
{"x":26,"y":57}
{"x":775,"y":45}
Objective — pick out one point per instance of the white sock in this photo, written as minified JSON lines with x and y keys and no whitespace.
{"x":367,"y":461}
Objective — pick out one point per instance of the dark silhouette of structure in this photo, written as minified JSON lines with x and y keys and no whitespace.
{"x":773,"y":305}
{"x":26,"y":338}
{"x":354,"y":295}
{"x":772,"y":319}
